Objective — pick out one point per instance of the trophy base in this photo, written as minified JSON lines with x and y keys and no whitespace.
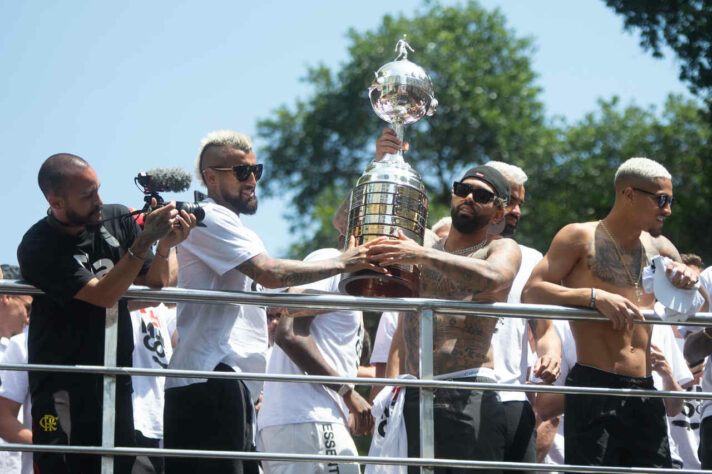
{"x":399,"y":284}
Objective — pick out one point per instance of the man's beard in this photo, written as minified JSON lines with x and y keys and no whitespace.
{"x":509,"y":229}
{"x":655,"y":232}
{"x":87,"y":221}
{"x":468,"y":224}
{"x":243,"y":206}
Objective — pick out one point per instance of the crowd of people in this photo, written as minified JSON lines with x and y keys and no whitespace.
{"x":85,"y":254}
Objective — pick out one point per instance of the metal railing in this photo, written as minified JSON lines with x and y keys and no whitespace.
{"x":425,"y":307}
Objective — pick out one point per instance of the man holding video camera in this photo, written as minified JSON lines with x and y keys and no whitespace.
{"x":84,"y":256}
{"x":217,"y":414}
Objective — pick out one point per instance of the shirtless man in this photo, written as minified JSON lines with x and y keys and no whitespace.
{"x":599,"y":265}
{"x":466,"y":265}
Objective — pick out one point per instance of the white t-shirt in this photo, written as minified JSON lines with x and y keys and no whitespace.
{"x":152,"y":350}
{"x":384,"y":335}
{"x":685,"y":426}
{"x":568,"y":360}
{"x":509,"y":341}
{"x":209,"y":334}
{"x":706,"y":280}
{"x":338,"y":337}
{"x":664,"y":338}
{"x":16,"y":387}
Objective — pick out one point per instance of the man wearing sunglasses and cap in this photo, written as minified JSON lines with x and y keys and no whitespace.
{"x":465,"y":265}
{"x":217,"y":414}
{"x":599,"y":265}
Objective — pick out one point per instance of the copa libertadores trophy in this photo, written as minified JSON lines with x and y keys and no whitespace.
{"x":390,"y":196}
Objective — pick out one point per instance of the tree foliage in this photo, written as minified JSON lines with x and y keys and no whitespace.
{"x":683,"y":25}
{"x":579,"y":187}
{"x":489,"y":109}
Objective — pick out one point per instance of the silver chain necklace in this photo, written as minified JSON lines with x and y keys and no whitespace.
{"x":466,"y":250}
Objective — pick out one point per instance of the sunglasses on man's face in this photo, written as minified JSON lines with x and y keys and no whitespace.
{"x":662,"y":199}
{"x":480,"y":195}
{"x":242,"y":172}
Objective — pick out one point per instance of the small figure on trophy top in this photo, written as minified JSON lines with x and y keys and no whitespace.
{"x":402,"y":48}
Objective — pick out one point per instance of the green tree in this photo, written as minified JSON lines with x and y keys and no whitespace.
{"x":489,"y":109}
{"x":684,"y":26}
{"x":579,"y":187}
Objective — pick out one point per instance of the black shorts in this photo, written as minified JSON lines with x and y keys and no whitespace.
{"x":469,"y":424}
{"x":73,"y":416}
{"x":521,"y":435}
{"x":603,"y":430}
{"x":215,"y":415}
{"x":704,"y":451}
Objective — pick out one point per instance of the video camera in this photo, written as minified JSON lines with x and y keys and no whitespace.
{"x":160,"y":180}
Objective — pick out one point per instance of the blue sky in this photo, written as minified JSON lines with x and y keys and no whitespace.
{"x":134,"y":85}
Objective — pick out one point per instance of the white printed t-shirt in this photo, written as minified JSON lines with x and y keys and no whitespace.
{"x":152,"y":350}
{"x":338,"y":337}
{"x":207,"y":260}
{"x":384,"y":335}
{"x":510,"y":345}
{"x":16,"y":387}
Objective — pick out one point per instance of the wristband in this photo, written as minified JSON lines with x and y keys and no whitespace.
{"x":164,"y":258}
{"x":345,"y":388}
{"x":592,"y":303}
{"x":134,"y":256}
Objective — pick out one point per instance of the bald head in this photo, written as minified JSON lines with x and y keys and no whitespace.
{"x":56,"y":170}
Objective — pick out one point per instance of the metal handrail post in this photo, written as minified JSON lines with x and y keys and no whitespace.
{"x":427,"y":420}
{"x":111,"y":334}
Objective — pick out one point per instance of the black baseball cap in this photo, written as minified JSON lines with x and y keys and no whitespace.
{"x":492,"y":177}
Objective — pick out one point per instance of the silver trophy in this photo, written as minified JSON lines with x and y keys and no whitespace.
{"x":390,"y":196}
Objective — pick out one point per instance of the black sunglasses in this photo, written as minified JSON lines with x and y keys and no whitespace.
{"x":479,"y":195}
{"x":663,"y":199}
{"x":243,"y":172}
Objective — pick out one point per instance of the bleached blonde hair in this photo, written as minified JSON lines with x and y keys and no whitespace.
{"x":235,"y":140}
{"x":640,"y":169}
{"x":511,"y":172}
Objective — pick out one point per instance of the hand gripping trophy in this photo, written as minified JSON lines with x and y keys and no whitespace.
{"x":390,"y":195}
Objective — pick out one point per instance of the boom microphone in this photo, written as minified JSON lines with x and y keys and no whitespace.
{"x":164,"y":179}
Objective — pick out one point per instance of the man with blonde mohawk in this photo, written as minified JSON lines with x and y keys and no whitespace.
{"x":599,"y":265}
{"x":217,"y":414}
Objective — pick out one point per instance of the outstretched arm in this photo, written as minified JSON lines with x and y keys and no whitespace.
{"x":277,"y":273}
{"x":492,"y":274}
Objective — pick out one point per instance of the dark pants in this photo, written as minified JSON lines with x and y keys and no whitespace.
{"x":148,"y":464}
{"x":603,"y":430}
{"x":705,"y":449}
{"x":469,"y":425}
{"x":215,"y":415}
{"x":73,"y":416}
{"x":521,"y":433}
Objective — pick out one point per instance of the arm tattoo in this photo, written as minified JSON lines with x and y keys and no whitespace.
{"x":275,"y":272}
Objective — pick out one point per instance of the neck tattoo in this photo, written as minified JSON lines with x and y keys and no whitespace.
{"x":635,"y":283}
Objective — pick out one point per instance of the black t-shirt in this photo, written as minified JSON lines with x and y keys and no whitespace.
{"x":64,"y":330}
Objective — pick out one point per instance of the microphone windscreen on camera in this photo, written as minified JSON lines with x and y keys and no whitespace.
{"x":169,"y":179}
